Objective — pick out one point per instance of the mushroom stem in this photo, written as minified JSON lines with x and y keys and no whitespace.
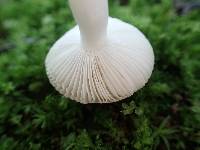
{"x":92,"y":19}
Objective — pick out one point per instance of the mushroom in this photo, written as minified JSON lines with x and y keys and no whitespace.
{"x":102,"y":59}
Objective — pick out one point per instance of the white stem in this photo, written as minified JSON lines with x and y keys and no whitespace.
{"x":92,"y":18}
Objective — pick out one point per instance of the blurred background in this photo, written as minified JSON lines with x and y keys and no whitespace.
{"x":164,"y":115}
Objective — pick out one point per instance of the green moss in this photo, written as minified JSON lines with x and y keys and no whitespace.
{"x":163,"y":115}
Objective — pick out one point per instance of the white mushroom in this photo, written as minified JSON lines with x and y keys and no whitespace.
{"x":102,"y":60}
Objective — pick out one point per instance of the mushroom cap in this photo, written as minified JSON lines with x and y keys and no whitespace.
{"x":104,"y":73}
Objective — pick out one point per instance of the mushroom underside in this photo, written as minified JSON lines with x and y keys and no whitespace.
{"x":105,"y":74}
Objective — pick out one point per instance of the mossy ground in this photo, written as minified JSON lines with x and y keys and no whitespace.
{"x":164,"y":115}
